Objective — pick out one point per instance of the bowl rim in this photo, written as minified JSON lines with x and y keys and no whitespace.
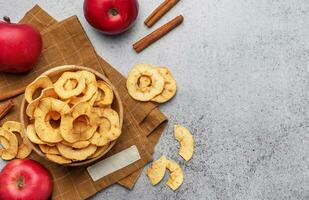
{"x":62,"y":69}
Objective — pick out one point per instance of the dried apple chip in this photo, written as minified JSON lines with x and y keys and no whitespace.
{"x":157,"y":170}
{"x":11,"y":151}
{"x":185,"y":138}
{"x":80,"y":124}
{"x":176,"y":176}
{"x":156,"y":87}
{"x":106,"y":134}
{"x":43,"y":127}
{"x":68,"y":93}
{"x":170,"y":87}
{"x":41,"y":82}
{"x":24,"y":149}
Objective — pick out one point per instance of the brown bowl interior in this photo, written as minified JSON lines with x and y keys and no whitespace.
{"x":54,"y":74}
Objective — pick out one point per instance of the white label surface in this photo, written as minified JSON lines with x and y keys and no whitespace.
{"x":114,"y":163}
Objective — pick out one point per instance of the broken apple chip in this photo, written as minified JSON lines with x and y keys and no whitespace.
{"x":41,"y":82}
{"x":9,"y":152}
{"x":145,"y":93}
{"x":176,"y":175}
{"x":58,"y":159}
{"x":156,"y":172}
{"x":68,"y":93}
{"x":76,"y":154}
{"x":105,"y":96}
{"x":24,"y":149}
{"x":185,"y":138}
{"x":170,"y":87}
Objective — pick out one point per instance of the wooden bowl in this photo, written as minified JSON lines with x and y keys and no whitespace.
{"x":54,"y":74}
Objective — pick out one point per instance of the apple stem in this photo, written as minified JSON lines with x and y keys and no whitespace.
{"x":20,"y":182}
{"x":7,"y":19}
{"x":113,"y":11}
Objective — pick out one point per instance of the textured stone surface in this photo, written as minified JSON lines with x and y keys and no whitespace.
{"x":242,"y":72}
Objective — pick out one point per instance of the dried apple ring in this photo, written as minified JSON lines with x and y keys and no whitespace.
{"x":185,"y":138}
{"x":47,"y":92}
{"x":90,"y":87}
{"x":142,"y":94}
{"x":80,"y":124}
{"x":99,"y":151}
{"x":105,"y":96}
{"x":176,"y":176}
{"x":170,"y":87}
{"x":41,"y":82}
{"x":106,"y":134}
{"x":24,"y":149}
{"x":11,"y":151}
{"x":58,"y":159}
{"x":42,"y":127}
{"x":76,"y":154}
{"x":66,"y":76}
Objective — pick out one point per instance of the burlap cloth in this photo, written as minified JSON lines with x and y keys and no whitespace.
{"x":66,"y":42}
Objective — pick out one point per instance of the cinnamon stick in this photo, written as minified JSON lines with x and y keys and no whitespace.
{"x":5,"y":108}
{"x":159,"y":12}
{"x":157,"y":34}
{"x":12,"y":93}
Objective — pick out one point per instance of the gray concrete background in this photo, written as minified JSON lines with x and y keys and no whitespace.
{"x":242,"y":73}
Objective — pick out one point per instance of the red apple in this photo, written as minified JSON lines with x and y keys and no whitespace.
{"x":111,"y":16}
{"x":25,"y":179}
{"x":20,"y":46}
